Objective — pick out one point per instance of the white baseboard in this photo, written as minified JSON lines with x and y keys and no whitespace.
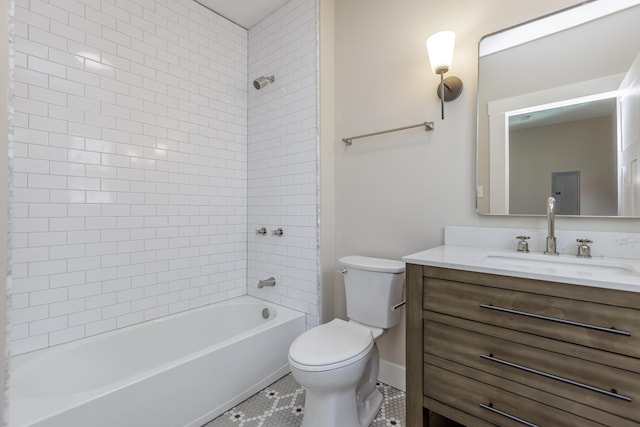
{"x":393,"y":375}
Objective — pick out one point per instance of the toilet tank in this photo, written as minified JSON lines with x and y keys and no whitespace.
{"x":373,"y":286}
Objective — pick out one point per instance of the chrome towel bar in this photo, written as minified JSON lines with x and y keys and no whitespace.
{"x":427,"y":127}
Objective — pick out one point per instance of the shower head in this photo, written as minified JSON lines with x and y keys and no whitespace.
{"x":262,"y":81}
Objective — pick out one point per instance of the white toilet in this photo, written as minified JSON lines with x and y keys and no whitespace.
{"x":337,"y":362}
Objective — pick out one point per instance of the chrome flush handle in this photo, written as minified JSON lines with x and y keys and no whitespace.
{"x":398,"y":305}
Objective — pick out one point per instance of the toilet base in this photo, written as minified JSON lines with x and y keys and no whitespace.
{"x":368,"y":409}
{"x":346,"y":397}
{"x":369,"y":399}
{"x":330,"y":409}
{"x":337,"y":409}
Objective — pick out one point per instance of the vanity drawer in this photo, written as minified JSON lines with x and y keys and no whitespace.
{"x":587,"y":323}
{"x":493,"y":404}
{"x":593,"y":384}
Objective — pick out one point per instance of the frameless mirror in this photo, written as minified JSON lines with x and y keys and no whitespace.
{"x":559,"y":114}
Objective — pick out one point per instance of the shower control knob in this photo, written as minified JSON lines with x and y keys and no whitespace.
{"x":262,"y":231}
{"x":277,"y":232}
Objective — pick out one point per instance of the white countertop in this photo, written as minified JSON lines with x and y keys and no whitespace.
{"x":612,"y":273}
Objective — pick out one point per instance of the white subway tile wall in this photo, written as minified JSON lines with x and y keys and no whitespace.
{"x":130,"y":198}
{"x":283,"y":172}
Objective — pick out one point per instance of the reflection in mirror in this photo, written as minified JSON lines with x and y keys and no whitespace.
{"x":558,"y":114}
{"x":565,"y":149}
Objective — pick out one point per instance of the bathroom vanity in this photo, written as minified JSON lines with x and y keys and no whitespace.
{"x":497,"y":338}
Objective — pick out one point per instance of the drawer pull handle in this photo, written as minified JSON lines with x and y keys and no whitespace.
{"x":557,"y":378}
{"x":555,"y":319}
{"x":504,"y":414}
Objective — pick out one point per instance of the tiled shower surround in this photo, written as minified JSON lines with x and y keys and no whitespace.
{"x":283,"y":158}
{"x":133,"y":161}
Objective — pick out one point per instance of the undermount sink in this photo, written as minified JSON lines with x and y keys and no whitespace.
{"x":562,"y":264}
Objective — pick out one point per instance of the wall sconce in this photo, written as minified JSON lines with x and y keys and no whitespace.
{"x":440,"y":50}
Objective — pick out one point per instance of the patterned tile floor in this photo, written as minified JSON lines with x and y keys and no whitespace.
{"x":282,"y":405}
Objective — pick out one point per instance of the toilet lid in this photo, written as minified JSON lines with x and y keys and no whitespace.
{"x":373,"y":264}
{"x":331,"y":343}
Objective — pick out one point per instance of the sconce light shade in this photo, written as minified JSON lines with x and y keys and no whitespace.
{"x":440,"y":50}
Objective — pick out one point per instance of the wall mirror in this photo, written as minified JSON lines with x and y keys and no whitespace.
{"x":559,"y":113}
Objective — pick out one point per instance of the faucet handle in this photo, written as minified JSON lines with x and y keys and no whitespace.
{"x":584,"y":251}
{"x":523,"y":246}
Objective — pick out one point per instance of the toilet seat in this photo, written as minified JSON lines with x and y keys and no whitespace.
{"x":330,"y":346}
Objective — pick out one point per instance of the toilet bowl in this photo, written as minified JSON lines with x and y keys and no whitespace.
{"x":337,"y":362}
{"x":333,"y":362}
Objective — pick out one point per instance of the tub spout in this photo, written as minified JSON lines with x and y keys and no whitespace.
{"x":267,"y":282}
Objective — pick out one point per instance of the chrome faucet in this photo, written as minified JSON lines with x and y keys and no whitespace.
{"x":551,"y":219}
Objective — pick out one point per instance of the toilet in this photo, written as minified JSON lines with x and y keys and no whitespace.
{"x":337,"y":362}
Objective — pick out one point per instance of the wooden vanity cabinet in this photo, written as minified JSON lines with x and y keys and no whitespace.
{"x":487,"y":350}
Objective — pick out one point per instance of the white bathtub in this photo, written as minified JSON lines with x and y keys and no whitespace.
{"x":182,"y":370}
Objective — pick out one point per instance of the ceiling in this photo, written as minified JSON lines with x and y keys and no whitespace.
{"x":245,"y":13}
